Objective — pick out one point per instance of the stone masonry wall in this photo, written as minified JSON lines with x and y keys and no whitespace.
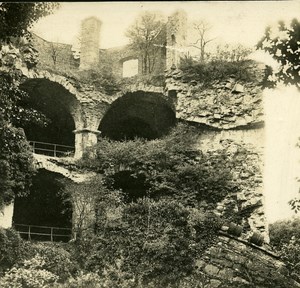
{"x":225,"y":104}
{"x":232,"y":262}
{"x":231,"y":108}
{"x":176,"y":38}
{"x":229,"y":114}
{"x":47,"y":50}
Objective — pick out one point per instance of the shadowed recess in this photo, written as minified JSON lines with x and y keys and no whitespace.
{"x":55,"y":102}
{"x":139,"y":114}
{"x":133,"y":187}
{"x":45,"y":205}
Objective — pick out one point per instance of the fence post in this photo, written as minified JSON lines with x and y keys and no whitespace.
{"x":33,"y":146}
{"x":54,"y":150}
{"x":51,"y":234}
{"x":29,"y":236}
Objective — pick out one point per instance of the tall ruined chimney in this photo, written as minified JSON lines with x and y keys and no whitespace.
{"x":90,"y":35}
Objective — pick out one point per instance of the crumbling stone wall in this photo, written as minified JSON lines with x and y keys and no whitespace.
{"x":224,"y":104}
{"x":229,"y":109}
{"x":176,"y":38}
{"x":229,"y":114}
{"x":232,"y":262}
{"x":64,"y":56}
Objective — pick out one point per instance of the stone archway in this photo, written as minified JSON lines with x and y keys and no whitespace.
{"x":59,"y":105}
{"x":46,"y":213}
{"x":138,"y":114}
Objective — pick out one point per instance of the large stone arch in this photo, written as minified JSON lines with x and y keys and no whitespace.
{"x":45,"y":205}
{"x":75,"y":105}
{"x":43,"y":74}
{"x":140,"y":113}
{"x":59,"y":105}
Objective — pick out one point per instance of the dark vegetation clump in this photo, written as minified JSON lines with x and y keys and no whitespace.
{"x":285,"y":239}
{"x":217,"y":70}
{"x":170,"y":167}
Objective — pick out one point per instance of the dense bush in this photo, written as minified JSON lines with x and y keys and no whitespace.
{"x":35,"y":264}
{"x":11,"y":248}
{"x":56,"y":259}
{"x":167,"y":167}
{"x":216,"y":70}
{"x":31,"y":273}
{"x":281,"y":232}
{"x":84,"y":280}
{"x":290,"y":254}
{"x":284,"y":237}
{"x":152,"y":243}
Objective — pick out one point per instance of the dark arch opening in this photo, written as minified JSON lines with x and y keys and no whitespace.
{"x":44,"y":206}
{"x":54,"y":101}
{"x":133,"y":187}
{"x":139,"y":114}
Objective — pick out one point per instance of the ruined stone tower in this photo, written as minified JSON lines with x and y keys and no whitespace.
{"x":90,"y":35}
{"x":176,"y":38}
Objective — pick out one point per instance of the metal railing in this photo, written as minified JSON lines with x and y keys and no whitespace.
{"x":44,"y":233}
{"x":51,"y":149}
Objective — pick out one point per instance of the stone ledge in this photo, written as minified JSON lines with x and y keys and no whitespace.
{"x":87,"y":130}
{"x":222,"y":233}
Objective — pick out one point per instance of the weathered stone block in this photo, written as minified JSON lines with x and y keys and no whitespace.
{"x":211,"y":270}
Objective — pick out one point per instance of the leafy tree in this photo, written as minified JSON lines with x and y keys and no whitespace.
{"x":281,"y":232}
{"x":15,"y":156}
{"x":147,"y":36}
{"x":148,"y":243}
{"x":17,"y":18}
{"x":282,"y":43}
{"x":284,"y":237}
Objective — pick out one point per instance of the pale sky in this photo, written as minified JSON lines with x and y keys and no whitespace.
{"x":233,"y":22}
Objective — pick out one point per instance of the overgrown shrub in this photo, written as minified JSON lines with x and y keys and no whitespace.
{"x":284,"y":237}
{"x":217,"y":70}
{"x":84,"y":280}
{"x":153,"y":243}
{"x":11,"y":248}
{"x":31,"y":273}
{"x":281,"y":232}
{"x":57,"y":259}
{"x":290,"y":254}
{"x":167,"y":167}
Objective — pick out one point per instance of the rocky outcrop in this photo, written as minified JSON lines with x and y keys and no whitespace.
{"x":224,"y":104}
{"x":46,"y":162}
{"x":232,"y":262}
{"x":246,"y":206}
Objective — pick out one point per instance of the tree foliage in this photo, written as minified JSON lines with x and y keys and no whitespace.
{"x":147,"y":36}
{"x":15,"y":157}
{"x":284,"y":237}
{"x":148,"y":243}
{"x":168,"y":167}
{"x":282,"y":43}
{"x":17,"y":18}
